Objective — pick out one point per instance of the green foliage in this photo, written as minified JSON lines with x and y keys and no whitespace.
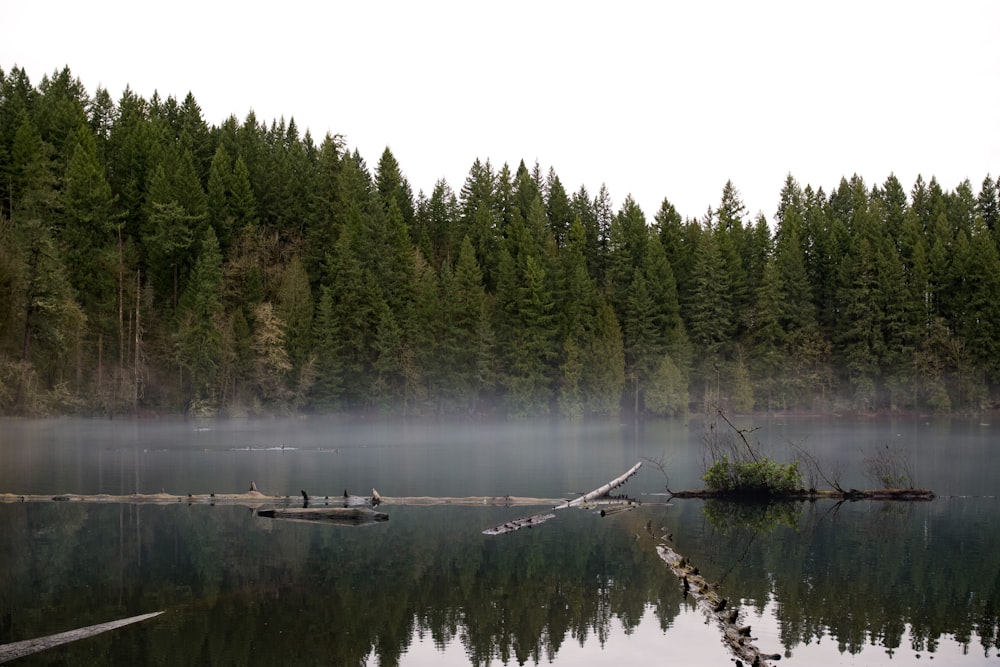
{"x":761,"y":477}
{"x":667,"y":393}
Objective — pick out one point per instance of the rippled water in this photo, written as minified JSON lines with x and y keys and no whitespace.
{"x":864,"y":583}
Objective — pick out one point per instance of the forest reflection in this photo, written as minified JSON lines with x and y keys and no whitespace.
{"x":239,"y":589}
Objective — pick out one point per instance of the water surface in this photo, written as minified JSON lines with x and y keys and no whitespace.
{"x":821,"y":583}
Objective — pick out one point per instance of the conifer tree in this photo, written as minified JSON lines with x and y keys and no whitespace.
{"x":392,"y":186}
{"x":557,"y":208}
{"x":294,"y":306}
{"x":988,"y":203}
{"x":219,"y":192}
{"x":201,"y":323}
{"x":604,"y":374}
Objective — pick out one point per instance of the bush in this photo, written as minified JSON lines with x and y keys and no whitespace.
{"x":762,"y":477}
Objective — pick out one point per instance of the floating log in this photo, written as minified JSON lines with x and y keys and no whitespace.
{"x":257,"y":499}
{"x":602,"y":491}
{"x":597,"y":496}
{"x":813,"y":494}
{"x":342,"y":515}
{"x":736,"y":637}
{"x":20,"y":649}
{"x":517,"y":524}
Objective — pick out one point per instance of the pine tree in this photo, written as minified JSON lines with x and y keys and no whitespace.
{"x":860,"y":336}
{"x":220,"y":187}
{"x":570,"y":393}
{"x":87,"y":232}
{"x":295,"y":308}
{"x":392,"y":186}
{"x":329,"y":385}
{"x":463,"y":300}
{"x":558,"y":209}
{"x":167,"y":240}
{"x":532,"y":338}
{"x":768,"y":341}
{"x":424,"y":355}
{"x":604,"y":374}
{"x":201,"y":318}
{"x":988,"y":204}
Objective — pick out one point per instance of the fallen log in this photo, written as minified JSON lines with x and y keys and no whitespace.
{"x":258,"y":499}
{"x":602,"y":491}
{"x":340,"y":515}
{"x":597,"y":496}
{"x":518,"y":524}
{"x":736,"y":637}
{"x":255,"y":499}
{"x":812,"y":494}
{"x":20,"y":649}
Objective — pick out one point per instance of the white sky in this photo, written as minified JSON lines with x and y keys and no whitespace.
{"x":656,"y":99}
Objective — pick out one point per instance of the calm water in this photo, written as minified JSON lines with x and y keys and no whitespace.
{"x":821,"y":583}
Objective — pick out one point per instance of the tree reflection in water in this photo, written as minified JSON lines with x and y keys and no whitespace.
{"x":244,"y":590}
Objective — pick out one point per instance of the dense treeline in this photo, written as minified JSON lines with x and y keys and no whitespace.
{"x":149,"y":260}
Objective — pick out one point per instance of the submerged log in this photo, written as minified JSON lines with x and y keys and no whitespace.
{"x":812,"y":494}
{"x":736,"y":637}
{"x":341,"y":515}
{"x":518,"y":524}
{"x":20,"y":649}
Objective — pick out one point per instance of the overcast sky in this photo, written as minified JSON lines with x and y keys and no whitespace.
{"x":656,"y":99}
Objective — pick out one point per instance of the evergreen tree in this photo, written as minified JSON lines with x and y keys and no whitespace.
{"x":87,"y":231}
{"x":558,"y":209}
{"x":424,"y":357}
{"x":167,"y":239}
{"x":988,"y":203}
{"x":639,"y":337}
{"x":392,"y":186}
{"x":604,"y":375}
{"x":768,"y":341}
{"x":294,"y":306}
{"x":329,"y":385}
{"x":530,"y":339}
{"x":200,"y":343}
{"x":570,"y":399}
{"x":463,"y":300}
{"x":586,"y":214}
{"x":709,"y":320}
{"x":860,"y":335}
{"x":220,"y":187}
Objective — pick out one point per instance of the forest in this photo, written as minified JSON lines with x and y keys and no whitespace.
{"x":152,"y":262}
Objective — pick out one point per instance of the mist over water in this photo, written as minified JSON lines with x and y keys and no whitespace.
{"x":822,"y":583}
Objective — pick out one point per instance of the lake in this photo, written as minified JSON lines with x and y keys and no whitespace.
{"x":821,"y":583}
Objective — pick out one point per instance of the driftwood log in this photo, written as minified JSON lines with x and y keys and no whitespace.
{"x":20,"y":649}
{"x":735,"y":636}
{"x":602,"y":491}
{"x":598,"y":496}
